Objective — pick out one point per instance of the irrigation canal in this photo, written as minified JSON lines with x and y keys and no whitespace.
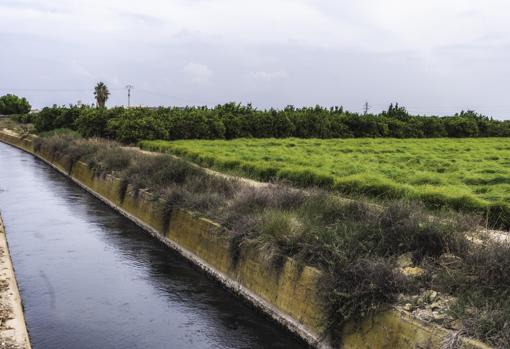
{"x":90,"y":278}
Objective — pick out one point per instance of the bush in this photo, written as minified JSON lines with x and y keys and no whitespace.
{"x":23,"y":118}
{"x":93,"y":122}
{"x":461,"y":127}
{"x":56,"y":117}
{"x":361,"y":289}
{"x":11,"y":104}
{"x":481,"y":284}
{"x":131,"y":125}
{"x":45,"y":119}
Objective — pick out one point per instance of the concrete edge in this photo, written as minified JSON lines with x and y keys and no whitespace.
{"x":16,"y":327}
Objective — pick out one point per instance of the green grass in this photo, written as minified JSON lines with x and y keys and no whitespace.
{"x":466,"y":174}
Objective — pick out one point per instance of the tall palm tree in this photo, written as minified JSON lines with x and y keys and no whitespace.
{"x":101,"y":93}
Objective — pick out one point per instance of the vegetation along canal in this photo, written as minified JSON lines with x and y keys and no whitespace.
{"x":90,"y":278}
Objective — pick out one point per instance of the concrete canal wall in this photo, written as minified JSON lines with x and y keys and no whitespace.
{"x":291,"y":296}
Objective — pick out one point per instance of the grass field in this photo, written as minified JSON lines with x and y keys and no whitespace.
{"x":468,"y":174}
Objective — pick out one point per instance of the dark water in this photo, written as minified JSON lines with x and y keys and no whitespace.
{"x":90,"y":278}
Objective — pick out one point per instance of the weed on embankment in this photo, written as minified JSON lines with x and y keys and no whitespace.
{"x":469,"y":174}
{"x":354,"y":243}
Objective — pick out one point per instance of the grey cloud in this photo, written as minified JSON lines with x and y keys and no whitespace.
{"x":170,"y":62}
{"x":142,"y":18}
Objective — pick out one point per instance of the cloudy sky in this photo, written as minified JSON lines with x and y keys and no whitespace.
{"x":432,"y":56}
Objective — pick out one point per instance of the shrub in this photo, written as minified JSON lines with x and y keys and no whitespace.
{"x":45,"y":119}
{"x":92,"y":122}
{"x":11,"y":104}
{"x":23,"y":118}
{"x":461,"y":127}
{"x":134,"y":124}
{"x":360,"y":289}
{"x":55,"y":142}
{"x":481,"y":284}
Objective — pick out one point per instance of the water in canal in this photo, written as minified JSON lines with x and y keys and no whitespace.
{"x":89,"y":278}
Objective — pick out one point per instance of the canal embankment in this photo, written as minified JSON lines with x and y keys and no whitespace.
{"x":13,"y":330}
{"x":291,"y":296}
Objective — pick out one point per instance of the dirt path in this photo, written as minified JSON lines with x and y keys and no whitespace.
{"x":245,"y":180}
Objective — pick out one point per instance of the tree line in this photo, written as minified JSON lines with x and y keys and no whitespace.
{"x":234,"y":120}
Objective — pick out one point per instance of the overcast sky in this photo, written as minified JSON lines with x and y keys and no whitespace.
{"x":434,"y":56}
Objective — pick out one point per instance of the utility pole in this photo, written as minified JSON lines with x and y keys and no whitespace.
{"x":129,"y":88}
{"x":365,"y":108}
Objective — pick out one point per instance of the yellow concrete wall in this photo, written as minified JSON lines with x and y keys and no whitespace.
{"x":291,"y":294}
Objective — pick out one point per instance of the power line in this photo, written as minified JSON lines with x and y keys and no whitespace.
{"x":172,"y":96}
{"x":52,"y":89}
{"x":44,"y":89}
{"x":427,"y":109}
{"x":128,"y":87}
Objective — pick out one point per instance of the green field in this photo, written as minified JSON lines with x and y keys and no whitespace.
{"x":467,"y":173}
